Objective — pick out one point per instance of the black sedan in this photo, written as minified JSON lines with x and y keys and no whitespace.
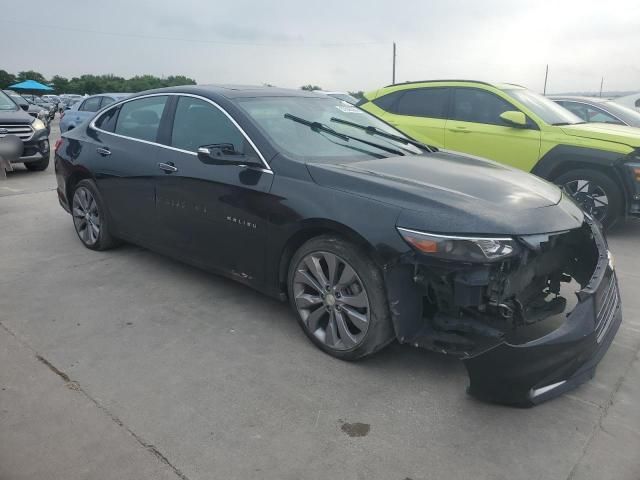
{"x":370,"y":235}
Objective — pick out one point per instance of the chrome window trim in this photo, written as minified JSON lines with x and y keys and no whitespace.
{"x":592,"y":105}
{"x":92,"y":125}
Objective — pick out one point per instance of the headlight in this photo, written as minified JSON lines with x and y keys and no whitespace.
{"x":460,"y":248}
{"x":38,"y":125}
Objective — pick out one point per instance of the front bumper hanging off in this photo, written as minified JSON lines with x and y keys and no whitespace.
{"x":528,"y":373}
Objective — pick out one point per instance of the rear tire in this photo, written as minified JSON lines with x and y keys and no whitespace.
{"x":90,"y":217}
{"x":597,"y":193}
{"x":343,"y":312}
{"x":38,"y":166}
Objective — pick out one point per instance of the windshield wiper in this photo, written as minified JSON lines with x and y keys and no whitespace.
{"x":319,"y":127}
{"x":376,"y":131}
{"x":562,"y":124}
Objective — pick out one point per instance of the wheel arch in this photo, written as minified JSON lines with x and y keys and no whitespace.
{"x":314,"y":228}
{"x":73,"y":179}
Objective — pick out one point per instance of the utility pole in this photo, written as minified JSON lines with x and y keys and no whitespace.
{"x":394,"y":63}
{"x":601,"y":83}
{"x":546,"y":74}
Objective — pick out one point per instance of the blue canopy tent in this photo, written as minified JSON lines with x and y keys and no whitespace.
{"x":31,"y":86}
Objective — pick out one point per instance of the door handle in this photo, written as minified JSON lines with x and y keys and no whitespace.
{"x":460,"y":130}
{"x":168,"y":167}
{"x":105,"y":152}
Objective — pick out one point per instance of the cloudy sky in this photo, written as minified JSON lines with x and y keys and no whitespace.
{"x":341,"y":45}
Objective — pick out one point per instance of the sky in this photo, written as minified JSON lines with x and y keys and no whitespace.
{"x":338,"y":45}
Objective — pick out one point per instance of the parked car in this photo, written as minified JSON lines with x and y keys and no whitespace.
{"x":87,"y":108}
{"x":598,"y":164}
{"x":40,"y":102}
{"x":68,"y":100}
{"x":32,"y":109}
{"x":599,"y":110}
{"x":370,"y":235}
{"x":33,"y":132}
{"x":344,"y":96}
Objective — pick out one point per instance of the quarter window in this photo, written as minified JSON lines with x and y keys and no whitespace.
{"x":198,"y":123}
{"x":141,"y":118}
{"x":91,"y":105}
{"x":106,"y":101}
{"x":107,"y":121}
{"x":479,"y":106}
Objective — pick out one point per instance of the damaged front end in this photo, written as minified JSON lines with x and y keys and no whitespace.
{"x":530,"y":316}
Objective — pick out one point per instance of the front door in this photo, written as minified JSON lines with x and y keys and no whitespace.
{"x":214,"y":215}
{"x":475,"y":127}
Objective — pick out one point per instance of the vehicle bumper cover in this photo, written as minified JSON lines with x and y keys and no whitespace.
{"x":529,"y":373}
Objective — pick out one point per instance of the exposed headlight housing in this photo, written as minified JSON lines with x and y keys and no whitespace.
{"x":38,"y":124}
{"x":461,"y":248}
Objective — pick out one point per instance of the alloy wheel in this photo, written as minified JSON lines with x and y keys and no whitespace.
{"x":86,"y":217}
{"x":331,"y":300}
{"x":590,"y":196}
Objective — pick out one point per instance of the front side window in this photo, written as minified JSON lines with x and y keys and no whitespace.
{"x":479,"y":106}
{"x":91,"y":105}
{"x":423,"y":102}
{"x":141,"y":118}
{"x":198,"y":123}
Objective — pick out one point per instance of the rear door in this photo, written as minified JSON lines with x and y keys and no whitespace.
{"x":127,"y":143}
{"x":213,"y":215}
{"x":475,"y":127}
{"x":419,"y":112}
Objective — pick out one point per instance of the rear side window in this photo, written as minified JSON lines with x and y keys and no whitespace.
{"x":479,"y":106}
{"x":423,"y":102}
{"x":198,"y":123}
{"x":141,"y":118}
{"x":91,"y":105}
{"x":107,"y":121}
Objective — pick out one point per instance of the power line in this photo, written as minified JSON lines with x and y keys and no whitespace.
{"x":194,"y":40}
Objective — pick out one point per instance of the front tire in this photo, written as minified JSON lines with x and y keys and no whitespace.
{"x":596,"y":192}
{"x":90,"y":217}
{"x":339,"y":298}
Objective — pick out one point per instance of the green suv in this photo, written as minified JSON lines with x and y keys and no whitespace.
{"x":599,"y":164}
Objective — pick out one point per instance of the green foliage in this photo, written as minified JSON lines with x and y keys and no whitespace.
{"x":92,"y":84}
{"x":6,"y":79}
{"x":359,"y":94}
{"x":310,"y":88}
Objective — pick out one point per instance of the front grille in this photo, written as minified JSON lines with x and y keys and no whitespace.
{"x":608,"y":306}
{"x":23,"y":131}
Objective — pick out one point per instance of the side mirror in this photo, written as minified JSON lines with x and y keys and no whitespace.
{"x":223,"y":154}
{"x":514,"y":118}
{"x":24,"y":106}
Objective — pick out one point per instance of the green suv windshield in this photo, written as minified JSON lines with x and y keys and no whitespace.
{"x":300,"y":141}
{"x":549,"y":111}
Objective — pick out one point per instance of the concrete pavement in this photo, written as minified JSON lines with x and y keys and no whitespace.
{"x":125,"y":364}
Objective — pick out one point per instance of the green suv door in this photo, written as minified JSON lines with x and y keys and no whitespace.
{"x":475,"y":127}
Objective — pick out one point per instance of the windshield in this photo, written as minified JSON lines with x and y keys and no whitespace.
{"x":549,"y":111}
{"x":301,"y":141}
{"x":627,"y":115}
{"x":6,"y":103}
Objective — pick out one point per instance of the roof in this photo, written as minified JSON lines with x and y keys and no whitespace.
{"x":579,"y":98}
{"x":31,"y":85}
{"x":235,"y":91}
{"x":500,"y":86}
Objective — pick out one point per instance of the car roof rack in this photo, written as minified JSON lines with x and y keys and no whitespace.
{"x":441,"y":80}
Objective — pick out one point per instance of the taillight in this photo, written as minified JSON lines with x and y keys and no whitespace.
{"x":57,"y":145}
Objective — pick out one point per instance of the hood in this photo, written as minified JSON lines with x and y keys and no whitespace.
{"x":605,"y":131}
{"x":452,"y":193}
{"x":15,"y":117}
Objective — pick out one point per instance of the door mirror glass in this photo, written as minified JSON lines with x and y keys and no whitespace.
{"x":223,"y":154}
{"x":514,"y":118}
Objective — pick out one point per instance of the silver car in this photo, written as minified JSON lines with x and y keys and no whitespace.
{"x":600,"y":110}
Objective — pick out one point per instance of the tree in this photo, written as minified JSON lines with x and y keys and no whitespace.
{"x":359,"y":94}
{"x":6,"y":79}
{"x":310,"y":88}
{"x":31,"y":75}
{"x":59,"y":84}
